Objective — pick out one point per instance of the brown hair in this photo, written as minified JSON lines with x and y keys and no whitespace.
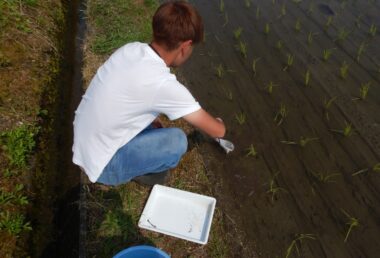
{"x":175,"y":22}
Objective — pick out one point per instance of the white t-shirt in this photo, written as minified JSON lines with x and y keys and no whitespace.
{"x":127,"y":93}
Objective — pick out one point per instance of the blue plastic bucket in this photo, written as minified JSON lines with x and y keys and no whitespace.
{"x":142,"y":251}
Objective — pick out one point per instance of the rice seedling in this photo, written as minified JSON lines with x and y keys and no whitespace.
{"x":310,"y":37}
{"x":297,"y":25}
{"x":225,"y":19}
{"x":352,"y":223}
{"x":342,"y":35}
{"x":281,"y":114}
{"x":273,"y":2}
{"x":346,"y":131}
{"x":325,"y":177}
{"x":257,"y":12}
{"x":303,"y":141}
{"x":240,"y":118}
{"x":283,"y":10}
{"x":267,"y":29}
{"x":221,"y":6}
{"x":326,"y":106}
{"x":358,"y":20}
{"x":247,"y":3}
{"x":307,"y":77}
{"x":227,"y":93}
{"x":289,"y":61}
{"x":273,"y":190}
{"x":375,"y":169}
{"x":242,"y":48}
{"x":219,"y":71}
{"x":328,"y":22}
{"x":311,"y":8}
{"x":364,"y":89}
{"x":373,"y":30}
{"x":279,"y":44}
{"x":327,"y":54}
{"x":269,"y":87}
{"x":237,"y":33}
{"x":361,"y":50}
{"x":251,"y":151}
{"x":344,"y":70}
{"x":254,"y":65}
{"x":298,"y":242}
{"x":14,"y":224}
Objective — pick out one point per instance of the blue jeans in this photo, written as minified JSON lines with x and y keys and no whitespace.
{"x":153,"y":150}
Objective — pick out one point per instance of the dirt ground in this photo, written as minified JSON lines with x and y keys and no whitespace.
{"x":287,"y":190}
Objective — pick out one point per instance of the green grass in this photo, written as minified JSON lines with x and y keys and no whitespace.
{"x":13,"y":223}
{"x":118,"y":22}
{"x":18,"y":144}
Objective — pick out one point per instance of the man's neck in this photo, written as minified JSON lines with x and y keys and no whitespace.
{"x":167,"y":56}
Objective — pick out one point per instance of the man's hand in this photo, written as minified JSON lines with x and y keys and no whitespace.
{"x":202,"y":120}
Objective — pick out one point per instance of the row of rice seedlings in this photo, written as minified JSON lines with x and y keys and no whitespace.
{"x":251,"y":151}
{"x":352,"y":223}
{"x":375,"y":169}
{"x":344,"y":70}
{"x":241,"y":118}
{"x":298,"y":242}
{"x":326,"y":106}
{"x":346,"y":131}
{"x":327,"y":54}
{"x":302,"y":142}
{"x":281,"y":114}
{"x":289,"y":61}
{"x":273,"y":189}
{"x":254,"y":65}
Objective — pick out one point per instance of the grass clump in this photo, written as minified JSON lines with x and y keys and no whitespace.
{"x":242,"y":48}
{"x":13,"y":223}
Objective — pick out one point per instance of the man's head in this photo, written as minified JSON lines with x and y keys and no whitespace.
{"x":177,"y":26}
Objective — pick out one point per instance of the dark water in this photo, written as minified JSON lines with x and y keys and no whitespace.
{"x":55,"y":213}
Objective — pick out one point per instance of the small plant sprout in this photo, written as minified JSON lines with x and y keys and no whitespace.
{"x":242,"y":48}
{"x":358,"y":20}
{"x":311,"y":8}
{"x":289,"y":61}
{"x":254,"y":65}
{"x":297,"y":26}
{"x":257,"y":12}
{"x":352,"y":223}
{"x":373,"y":30}
{"x":298,"y":242}
{"x":347,"y":130}
{"x":225,"y":19}
{"x":269,"y":87}
{"x":219,"y":71}
{"x":283,"y":10}
{"x":327,"y":53}
{"x":326,"y":106}
{"x":237,"y":33}
{"x":240,"y":118}
{"x":363,"y":91}
{"x":303,"y":141}
{"x":228,"y":93}
{"x":342,"y":35}
{"x":344,"y":70}
{"x":274,"y":189}
{"x":221,"y":6}
{"x":325,"y":177}
{"x":307,"y":77}
{"x":251,"y":151}
{"x":279,"y":44}
{"x":247,"y":3}
{"x":281,"y":114}
{"x":310,"y":37}
{"x":361,"y":50}
{"x":328,"y":22}
{"x":267,"y":29}
{"x":375,"y":168}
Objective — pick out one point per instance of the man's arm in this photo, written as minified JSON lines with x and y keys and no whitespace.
{"x":204,"y":121}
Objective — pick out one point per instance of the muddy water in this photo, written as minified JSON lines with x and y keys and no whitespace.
{"x":287,"y":190}
{"x":56,"y":181}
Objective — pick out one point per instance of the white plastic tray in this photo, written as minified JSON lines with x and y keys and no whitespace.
{"x":178,"y":213}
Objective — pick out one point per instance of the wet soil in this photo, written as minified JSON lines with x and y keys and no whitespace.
{"x":286,"y":189}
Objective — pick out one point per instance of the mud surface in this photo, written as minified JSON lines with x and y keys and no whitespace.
{"x":287,"y":190}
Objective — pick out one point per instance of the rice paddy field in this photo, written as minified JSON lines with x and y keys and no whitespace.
{"x":298,"y":86}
